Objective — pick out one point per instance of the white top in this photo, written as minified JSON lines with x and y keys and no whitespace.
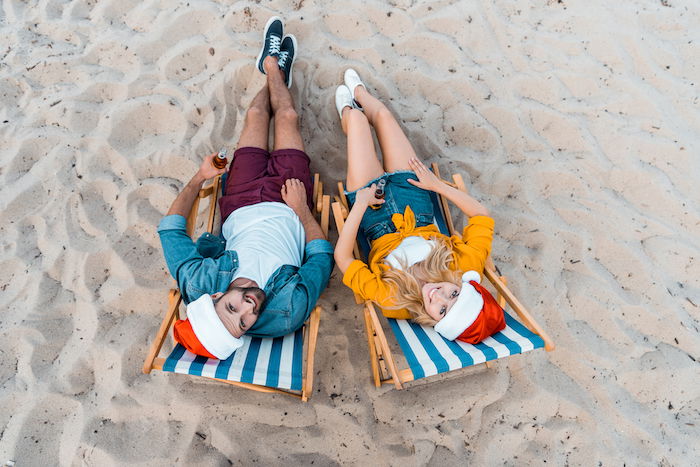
{"x":266,"y":236}
{"x":411,"y":250}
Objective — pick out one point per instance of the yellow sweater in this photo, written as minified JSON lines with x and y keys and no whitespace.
{"x":470,"y":253}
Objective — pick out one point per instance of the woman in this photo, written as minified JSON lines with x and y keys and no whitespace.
{"x":413,"y":271}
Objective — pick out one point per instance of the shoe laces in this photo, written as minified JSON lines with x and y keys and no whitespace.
{"x":282,"y":58}
{"x":275,"y":43}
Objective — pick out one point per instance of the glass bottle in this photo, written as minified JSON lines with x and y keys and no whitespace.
{"x":379,"y":193}
{"x":220,"y":161}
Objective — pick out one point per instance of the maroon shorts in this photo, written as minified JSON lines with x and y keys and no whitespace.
{"x":257,"y":175}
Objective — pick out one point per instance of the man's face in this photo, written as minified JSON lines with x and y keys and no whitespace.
{"x":238,"y":308}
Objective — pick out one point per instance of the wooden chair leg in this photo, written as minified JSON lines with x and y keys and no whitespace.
{"x":443,"y":203}
{"x":341,"y":195}
{"x":325,"y":214}
{"x":384,"y":346}
{"x":312,"y":336}
{"x":192,"y":218}
{"x":373,"y":357}
{"x":501,"y":300}
{"x":317,"y":179}
{"x":174,"y":299}
{"x":518,"y":307}
{"x":319,"y":201}
{"x":459,"y":182}
{"x":212,"y":203}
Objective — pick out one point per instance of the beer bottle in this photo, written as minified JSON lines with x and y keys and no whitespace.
{"x":220,"y":161}
{"x":379,"y":193}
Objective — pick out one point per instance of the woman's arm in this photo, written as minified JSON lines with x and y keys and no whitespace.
{"x":427,"y":180}
{"x":346,"y":239}
{"x":463,"y":201}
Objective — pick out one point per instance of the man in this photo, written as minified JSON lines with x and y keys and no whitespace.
{"x":264,"y":278}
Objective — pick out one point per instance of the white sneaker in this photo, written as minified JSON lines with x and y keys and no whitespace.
{"x":343,"y":99}
{"x":352,"y":81}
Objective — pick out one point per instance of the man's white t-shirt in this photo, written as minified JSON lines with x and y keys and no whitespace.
{"x":266,"y":236}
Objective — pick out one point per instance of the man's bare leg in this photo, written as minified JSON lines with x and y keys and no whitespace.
{"x":257,"y":122}
{"x":363,"y":164}
{"x":287,"y":135}
{"x":396,"y":149}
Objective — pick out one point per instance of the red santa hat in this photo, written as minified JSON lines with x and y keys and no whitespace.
{"x":203,"y":333}
{"x":465,"y":309}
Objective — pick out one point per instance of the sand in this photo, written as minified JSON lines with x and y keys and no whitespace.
{"x":576,"y":122}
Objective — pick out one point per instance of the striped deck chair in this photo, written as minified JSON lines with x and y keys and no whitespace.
{"x":426,"y":352}
{"x":280,"y":365}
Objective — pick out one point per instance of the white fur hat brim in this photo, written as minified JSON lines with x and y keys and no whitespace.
{"x":209,"y":329}
{"x":464,"y":311}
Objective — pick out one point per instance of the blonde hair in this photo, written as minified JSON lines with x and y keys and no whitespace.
{"x":407,"y":281}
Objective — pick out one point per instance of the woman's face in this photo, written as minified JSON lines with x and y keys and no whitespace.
{"x":438,"y":298}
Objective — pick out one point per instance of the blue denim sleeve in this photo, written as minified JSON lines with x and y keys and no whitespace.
{"x":318,"y":246}
{"x":184,"y":261}
{"x":315,"y":272}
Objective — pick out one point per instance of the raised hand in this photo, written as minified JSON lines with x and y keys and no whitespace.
{"x":427,"y":180}
{"x":207,"y":169}
{"x":365,"y":196}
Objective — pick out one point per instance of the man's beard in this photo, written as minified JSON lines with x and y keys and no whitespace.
{"x":256,"y":292}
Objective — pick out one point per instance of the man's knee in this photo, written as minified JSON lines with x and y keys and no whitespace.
{"x":287,"y":116}
{"x":256,"y":113}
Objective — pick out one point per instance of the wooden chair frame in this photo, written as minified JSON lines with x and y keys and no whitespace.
{"x":154,"y":361}
{"x":382,"y":362}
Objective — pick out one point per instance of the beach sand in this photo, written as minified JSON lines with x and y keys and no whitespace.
{"x":575,"y":122}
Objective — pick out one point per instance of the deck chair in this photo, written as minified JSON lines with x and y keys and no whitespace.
{"x":426,"y":352}
{"x":281,"y":365}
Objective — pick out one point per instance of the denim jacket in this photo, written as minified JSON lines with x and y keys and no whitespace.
{"x":207,"y":267}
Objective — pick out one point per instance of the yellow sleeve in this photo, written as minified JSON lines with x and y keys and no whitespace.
{"x":474,"y":247}
{"x":370,"y":286}
{"x":365,"y":283}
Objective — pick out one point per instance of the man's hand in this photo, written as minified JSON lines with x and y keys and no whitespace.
{"x":184,"y":201}
{"x":427,"y":180}
{"x":365,"y":197}
{"x":207,"y":169}
{"x":294,"y":195}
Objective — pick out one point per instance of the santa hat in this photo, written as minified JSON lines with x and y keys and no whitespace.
{"x":203,"y":333}
{"x":465,"y":309}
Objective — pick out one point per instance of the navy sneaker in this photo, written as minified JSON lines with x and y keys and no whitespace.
{"x":285,"y":61}
{"x":272,"y":40}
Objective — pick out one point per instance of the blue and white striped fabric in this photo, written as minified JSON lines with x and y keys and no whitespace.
{"x":275,"y":363}
{"x":428,"y":353}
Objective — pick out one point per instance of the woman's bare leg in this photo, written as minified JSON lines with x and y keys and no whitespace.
{"x":363,"y":164}
{"x":257,"y":122}
{"x":396,"y":149}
